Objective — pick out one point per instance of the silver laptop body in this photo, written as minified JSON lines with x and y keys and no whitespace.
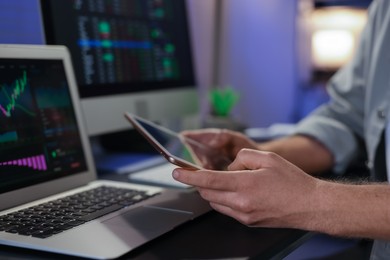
{"x":37,"y":167}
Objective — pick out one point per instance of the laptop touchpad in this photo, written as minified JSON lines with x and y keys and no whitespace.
{"x":149,"y":219}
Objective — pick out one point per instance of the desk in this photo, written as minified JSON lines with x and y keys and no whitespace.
{"x":212,"y":236}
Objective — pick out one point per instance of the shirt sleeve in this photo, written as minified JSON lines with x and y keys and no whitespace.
{"x":339,"y":123}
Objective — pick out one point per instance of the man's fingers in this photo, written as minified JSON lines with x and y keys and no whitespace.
{"x":248,"y":159}
{"x":206,"y":179}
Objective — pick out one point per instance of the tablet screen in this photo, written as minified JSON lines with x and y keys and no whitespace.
{"x":176,"y":148}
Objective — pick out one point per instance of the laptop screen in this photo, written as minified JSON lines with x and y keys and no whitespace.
{"x":39,"y":137}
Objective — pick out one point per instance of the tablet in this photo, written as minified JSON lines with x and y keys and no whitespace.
{"x":176,"y":148}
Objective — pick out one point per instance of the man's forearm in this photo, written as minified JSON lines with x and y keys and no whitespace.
{"x":350,"y":210}
{"x":305,"y":152}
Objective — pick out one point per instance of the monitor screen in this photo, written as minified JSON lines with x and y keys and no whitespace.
{"x":127,"y":56}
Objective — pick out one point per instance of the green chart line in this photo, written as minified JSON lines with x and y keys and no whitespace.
{"x":18,"y":90}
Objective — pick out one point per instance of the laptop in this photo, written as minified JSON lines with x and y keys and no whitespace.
{"x":49,"y":191}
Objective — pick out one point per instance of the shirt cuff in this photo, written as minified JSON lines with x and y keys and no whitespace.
{"x":335,"y":136}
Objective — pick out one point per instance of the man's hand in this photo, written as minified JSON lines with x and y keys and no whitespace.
{"x":260,"y":189}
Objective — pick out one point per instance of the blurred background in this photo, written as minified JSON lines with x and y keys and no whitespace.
{"x":277,"y":55}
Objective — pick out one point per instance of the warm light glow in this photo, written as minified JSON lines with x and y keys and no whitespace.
{"x":332,"y":48}
{"x":335,"y":31}
{"x":339,"y":18}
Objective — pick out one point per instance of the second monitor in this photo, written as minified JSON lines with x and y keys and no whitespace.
{"x":128,"y":56}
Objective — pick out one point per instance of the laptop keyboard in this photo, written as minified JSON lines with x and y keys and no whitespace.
{"x":50,"y":218}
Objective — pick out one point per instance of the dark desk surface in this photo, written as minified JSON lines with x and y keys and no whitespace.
{"x":212,"y":236}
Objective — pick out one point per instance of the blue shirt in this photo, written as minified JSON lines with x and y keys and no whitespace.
{"x":358,"y":111}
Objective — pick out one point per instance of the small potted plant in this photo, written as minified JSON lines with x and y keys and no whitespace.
{"x":222,"y":101}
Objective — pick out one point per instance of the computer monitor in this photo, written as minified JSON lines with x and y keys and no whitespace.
{"x":128,"y":56}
